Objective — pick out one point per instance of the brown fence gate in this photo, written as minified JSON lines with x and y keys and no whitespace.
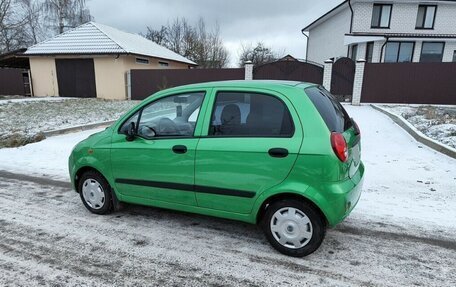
{"x":342,"y":77}
{"x":291,"y":70}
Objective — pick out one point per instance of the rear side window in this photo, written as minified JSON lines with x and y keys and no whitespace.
{"x":250,"y":115}
{"x":332,"y":112}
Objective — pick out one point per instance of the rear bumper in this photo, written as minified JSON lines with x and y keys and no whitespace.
{"x":342,"y":197}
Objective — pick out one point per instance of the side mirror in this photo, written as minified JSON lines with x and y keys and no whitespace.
{"x":131,"y":131}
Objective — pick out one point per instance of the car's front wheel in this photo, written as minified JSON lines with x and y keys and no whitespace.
{"x":95,"y":192}
{"x":293,"y":227}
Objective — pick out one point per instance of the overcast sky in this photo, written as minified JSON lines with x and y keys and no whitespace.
{"x":276,"y":23}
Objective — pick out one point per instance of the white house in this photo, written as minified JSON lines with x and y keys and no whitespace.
{"x":385,"y":31}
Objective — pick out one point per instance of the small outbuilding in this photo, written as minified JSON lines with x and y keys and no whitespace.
{"x":94,"y":60}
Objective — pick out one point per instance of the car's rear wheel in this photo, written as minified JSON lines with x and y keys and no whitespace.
{"x":95,"y":192}
{"x":293,"y":227}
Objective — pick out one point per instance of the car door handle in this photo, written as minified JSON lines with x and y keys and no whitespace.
{"x":179,"y":149}
{"x":278,"y":152}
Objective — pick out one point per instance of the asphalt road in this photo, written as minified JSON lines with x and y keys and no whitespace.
{"x":48,"y":238}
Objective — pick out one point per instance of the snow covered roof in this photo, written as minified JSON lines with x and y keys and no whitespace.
{"x":95,"y":38}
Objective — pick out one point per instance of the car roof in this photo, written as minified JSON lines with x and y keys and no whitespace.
{"x":265,"y":84}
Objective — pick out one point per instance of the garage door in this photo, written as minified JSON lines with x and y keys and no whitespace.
{"x":76,"y":78}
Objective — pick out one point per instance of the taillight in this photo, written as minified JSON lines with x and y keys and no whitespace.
{"x":339,"y":146}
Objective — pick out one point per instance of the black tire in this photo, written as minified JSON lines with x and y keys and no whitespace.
{"x":316,"y":225}
{"x":92,"y":176}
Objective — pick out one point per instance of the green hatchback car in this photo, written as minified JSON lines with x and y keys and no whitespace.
{"x":281,"y":154}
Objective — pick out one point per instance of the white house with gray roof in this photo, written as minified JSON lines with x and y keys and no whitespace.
{"x":385,"y":31}
{"x":93,"y":60}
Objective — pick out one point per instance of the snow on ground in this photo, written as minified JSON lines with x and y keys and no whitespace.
{"x":405,"y":181}
{"x":437,"y":122}
{"x":48,"y":238}
{"x":48,"y":158}
{"x":24,"y":120}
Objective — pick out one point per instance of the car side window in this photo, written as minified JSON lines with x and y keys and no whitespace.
{"x":332,"y":112}
{"x":250,"y":115}
{"x":172,"y":116}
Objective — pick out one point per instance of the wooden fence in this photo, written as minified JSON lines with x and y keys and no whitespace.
{"x":12,"y":82}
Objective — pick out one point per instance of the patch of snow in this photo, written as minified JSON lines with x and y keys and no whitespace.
{"x":405,"y":181}
{"x":48,"y":158}
{"x":436,"y":121}
{"x":445,"y":133}
{"x":24,"y":120}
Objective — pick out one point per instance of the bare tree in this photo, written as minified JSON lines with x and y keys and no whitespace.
{"x":193,"y":42}
{"x":22,"y":21}
{"x":64,"y":14}
{"x":33,"y":15}
{"x":218,"y":54}
{"x":157,"y":36}
{"x":11,"y":26}
{"x":260,"y":54}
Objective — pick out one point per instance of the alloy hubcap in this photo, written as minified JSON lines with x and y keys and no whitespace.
{"x":291,"y":227}
{"x":93,"y":193}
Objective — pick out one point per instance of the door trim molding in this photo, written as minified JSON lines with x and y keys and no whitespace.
{"x":187,"y":187}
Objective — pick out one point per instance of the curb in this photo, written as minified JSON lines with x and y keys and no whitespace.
{"x":416,"y":134}
{"x":77,"y":128}
{"x":35,"y":179}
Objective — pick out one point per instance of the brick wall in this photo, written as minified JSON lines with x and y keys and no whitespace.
{"x":403,"y":18}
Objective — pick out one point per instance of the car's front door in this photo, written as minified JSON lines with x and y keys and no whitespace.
{"x":158,"y":164}
{"x":251,"y":143}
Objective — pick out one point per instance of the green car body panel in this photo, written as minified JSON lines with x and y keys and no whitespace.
{"x":229,"y":177}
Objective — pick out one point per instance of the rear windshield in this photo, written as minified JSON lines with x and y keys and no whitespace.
{"x":332,"y":112}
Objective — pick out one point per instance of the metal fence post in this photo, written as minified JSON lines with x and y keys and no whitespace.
{"x":248,"y":70}
{"x":128,"y":85}
{"x":327,"y":73}
{"x":358,"y":82}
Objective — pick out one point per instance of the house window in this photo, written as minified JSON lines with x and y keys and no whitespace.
{"x":381,"y":16}
{"x":399,"y":52}
{"x":142,"y":61}
{"x":163,"y":64}
{"x":354,"y":51}
{"x":369,"y":51}
{"x":426,"y":17}
{"x":454,"y":56}
{"x":432,"y":52}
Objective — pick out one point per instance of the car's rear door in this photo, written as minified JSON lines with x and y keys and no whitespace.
{"x":250,"y":141}
{"x":338,"y":120}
